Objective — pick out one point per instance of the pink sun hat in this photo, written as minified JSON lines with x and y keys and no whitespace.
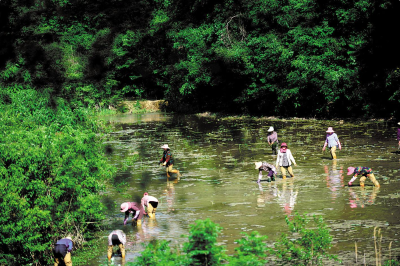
{"x":330,"y":130}
{"x":350,"y":170}
{"x":124,"y":207}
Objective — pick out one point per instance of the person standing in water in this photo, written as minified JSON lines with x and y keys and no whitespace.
{"x":168,"y":161}
{"x":332,"y":142}
{"x":364,"y":172}
{"x":136,"y":209}
{"x":116,"y":238}
{"x":284,"y":160}
{"x":269,"y":168}
{"x":151,"y":203}
{"x":273,"y":140}
{"x":62,"y":252}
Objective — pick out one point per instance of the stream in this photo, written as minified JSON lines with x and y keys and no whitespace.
{"x":216,"y":159}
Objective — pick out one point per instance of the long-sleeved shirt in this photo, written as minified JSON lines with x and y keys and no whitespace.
{"x":332,"y":140}
{"x":135,"y":208}
{"x":67,"y":242}
{"x":279,"y":158}
{"x":266,"y":167}
{"x":121,"y":236}
{"x":167,"y":157}
{"x":360,"y":171}
{"x":146,"y":199}
{"x":273,"y":137}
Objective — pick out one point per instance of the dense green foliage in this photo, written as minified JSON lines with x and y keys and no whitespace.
{"x":52,"y":169}
{"x":309,"y":246}
{"x":308,"y":57}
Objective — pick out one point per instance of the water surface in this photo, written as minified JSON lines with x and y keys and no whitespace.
{"x":216,"y":158}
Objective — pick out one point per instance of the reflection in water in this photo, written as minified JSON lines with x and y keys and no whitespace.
{"x":147,"y":231}
{"x":286,"y":197}
{"x":358,"y":199}
{"x":334,"y":179}
{"x":214,"y":153}
{"x":170,"y":196}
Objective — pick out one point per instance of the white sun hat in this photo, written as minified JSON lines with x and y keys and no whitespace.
{"x":165,"y":146}
{"x":271,"y":129}
{"x":258,"y":165}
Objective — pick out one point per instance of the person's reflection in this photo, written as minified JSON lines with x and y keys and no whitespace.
{"x":286,"y":196}
{"x":334,"y":179}
{"x":358,"y":199}
{"x":170,"y":196}
{"x":266,"y":196}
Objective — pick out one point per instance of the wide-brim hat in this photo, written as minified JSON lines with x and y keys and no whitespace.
{"x":330,"y":130}
{"x":124,"y":207}
{"x":350,"y":170}
{"x":165,"y":146}
{"x":68,"y":237}
{"x":258,"y":165}
{"x":270,"y":129}
{"x":398,"y":123}
{"x":283,"y":144}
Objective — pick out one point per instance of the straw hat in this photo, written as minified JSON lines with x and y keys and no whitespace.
{"x":165,"y":146}
{"x":270,"y":129}
{"x":124,"y":207}
{"x":330,"y":130}
{"x":350,"y":170}
{"x":283,"y":144}
{"x":258,"y":165}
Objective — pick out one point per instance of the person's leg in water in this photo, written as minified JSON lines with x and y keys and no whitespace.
{"x":283,"y":170}
{"x":67,"y":259}
{"x":168,"y":169}
{"x":109,"y":252}
{"x":333,"y":152}
{"x":274,"y":146}
{"x":173,"y":171}
{"x":153,"y":207}
{"x":122,"y":249}
{"x":271,"y":176}
{"x":373,"y":179}
{"x":362,"y":181}
{"x":290,"y":170}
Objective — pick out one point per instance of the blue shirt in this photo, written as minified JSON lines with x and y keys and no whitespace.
{"x":332,"y":140}
{"x":67,"y":242}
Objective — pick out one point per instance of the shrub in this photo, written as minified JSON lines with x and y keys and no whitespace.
{"x":305,"y":245}
{"x":202,"y":248}
{"x":51,"y":172}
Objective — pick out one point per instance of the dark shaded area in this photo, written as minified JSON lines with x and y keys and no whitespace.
{"x":321,"y":59}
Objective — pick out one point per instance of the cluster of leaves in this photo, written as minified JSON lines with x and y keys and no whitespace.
{"x":309,"y":246}
{"x":300,"y":57}
{"x":52,"y":169}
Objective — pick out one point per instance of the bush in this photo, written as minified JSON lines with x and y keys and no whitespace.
{"x":202,"y":248}
{"x":51,"y":172}
{"x":305,"y":245}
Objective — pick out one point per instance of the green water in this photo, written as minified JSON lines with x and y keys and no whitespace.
{"x":216,"y":158}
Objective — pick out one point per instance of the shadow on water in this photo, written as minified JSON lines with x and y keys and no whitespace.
{"x":216,"y":157}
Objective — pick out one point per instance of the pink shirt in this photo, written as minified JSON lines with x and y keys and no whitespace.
{"x":146,"y":199}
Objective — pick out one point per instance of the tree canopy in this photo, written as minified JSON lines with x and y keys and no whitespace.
{"x":285,"y":57}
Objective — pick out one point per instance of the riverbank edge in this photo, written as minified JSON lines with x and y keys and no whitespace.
{"x":148,"y":106}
